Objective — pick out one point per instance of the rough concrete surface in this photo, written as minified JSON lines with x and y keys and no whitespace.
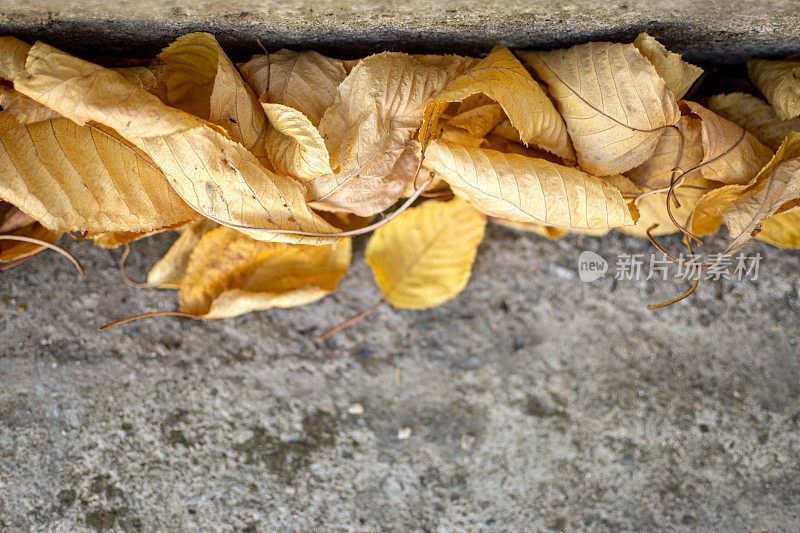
{"x":726,"y":31}
{"x":533,"y":401}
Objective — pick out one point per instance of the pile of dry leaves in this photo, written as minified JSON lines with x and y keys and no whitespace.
{"x":267,"y":168}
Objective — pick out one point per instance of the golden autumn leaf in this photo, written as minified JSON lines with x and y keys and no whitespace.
{"x":424,"y":257}
{"x":168,"y":272}
{"x":377,"y":111}
{"x":779,"y":82}
{"x":217,"y":176}
{"x":781,"y":230}
{"x":613,"y":101}
{"x":776,"y":189}
{"x":294,"y":145}
{"x":525,"y":189}
{"x":678,"y":75}
{"x":229,"y":274}
{"x":505,"y":80}
{"x":479,"y":121}
{"x":755,"y":115}
{"x":201,"y":80}
{"x":731,"y":155}
{"x":305,"y":81}
{"x":78,"y":178}
{"x":677,"y":156}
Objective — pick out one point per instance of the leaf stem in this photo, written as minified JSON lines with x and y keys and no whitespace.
{"x":350,"y":322}
{"x":46,"y":244}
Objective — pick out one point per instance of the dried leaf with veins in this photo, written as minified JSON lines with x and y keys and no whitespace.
{"x":305,"y":81}
{"x":377,"y":111}
{"x":77,"y":178}
{"x":678,"y":75}
{"x":479,"y":121}
{"x":782,"y":230}
{"x":755,"y":115}
{"x":168,"y":272}
{"x":214,"y":174}
{"x":424,"y":257}
{"x":731,"y":155}
{"x":779,"y":82}
{"x":776,"y":189}
{"x":613,"y":101}
{"x":201,"y":80}
{"x":505,"y":80}
{"x":229,"y":274}
{"x":294,"y":145}
{"x":525,"y":189}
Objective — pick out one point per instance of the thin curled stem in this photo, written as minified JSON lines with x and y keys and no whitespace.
{"x":350,"y":322}
{"x":72,"y":259}
{"x":148,"y":315}
{"x":138,"y":284}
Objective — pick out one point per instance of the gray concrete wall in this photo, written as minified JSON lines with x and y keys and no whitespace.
{"x":726,"y":31}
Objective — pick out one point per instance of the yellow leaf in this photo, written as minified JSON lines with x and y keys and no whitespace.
{"x":306,"y":81}
{"x":217,"y":176}
{"x":526,"y":189}
{"x":201,"y":80}
{"x":614,"y":103}
{"x":78,"y":178}
{"x":782,"y":230}
{"x":505,"y":80}
{"x":706,"y":217}
{"x":229,"y":274}
{"x":731,"y":155}
{"x":779,"y":82}
{"x":677,"y":73}
{"x":479,"y":121}
{"x":377,"y":111}
{"x":755,"y":115}
{"x":424,"y":257}
{"x":294,"y":145}
{"x":170,"y":269}
{"x":775,"y":189}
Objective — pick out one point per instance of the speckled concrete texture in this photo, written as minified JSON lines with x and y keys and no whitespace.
{"x":533,"y":401}
{"x":719,"y":31}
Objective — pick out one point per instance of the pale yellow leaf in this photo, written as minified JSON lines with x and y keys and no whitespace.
{"x":376,"y":113}
{"x":294,"y":145}
{"x":755,"y":115}
{"x":779,"y":82}
{"x":613,"y":101}
{"x":479,"y":121}
{"x":424,"y":257}
{"x":731,"y":155}
{"x":217,"y":176}
{"x":526,"y":189}
{"x":775,"y":189}
{"x":201,"y":80}
{"x":506,"y":81}
{"x":229,"y":274}
{"x":706,"y":217}
{"x":306,"y":81}
{"x":80,"y":178}
{"x":13,"y":54}
{"x":677,"y":73}
{"x":170,"y":269}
